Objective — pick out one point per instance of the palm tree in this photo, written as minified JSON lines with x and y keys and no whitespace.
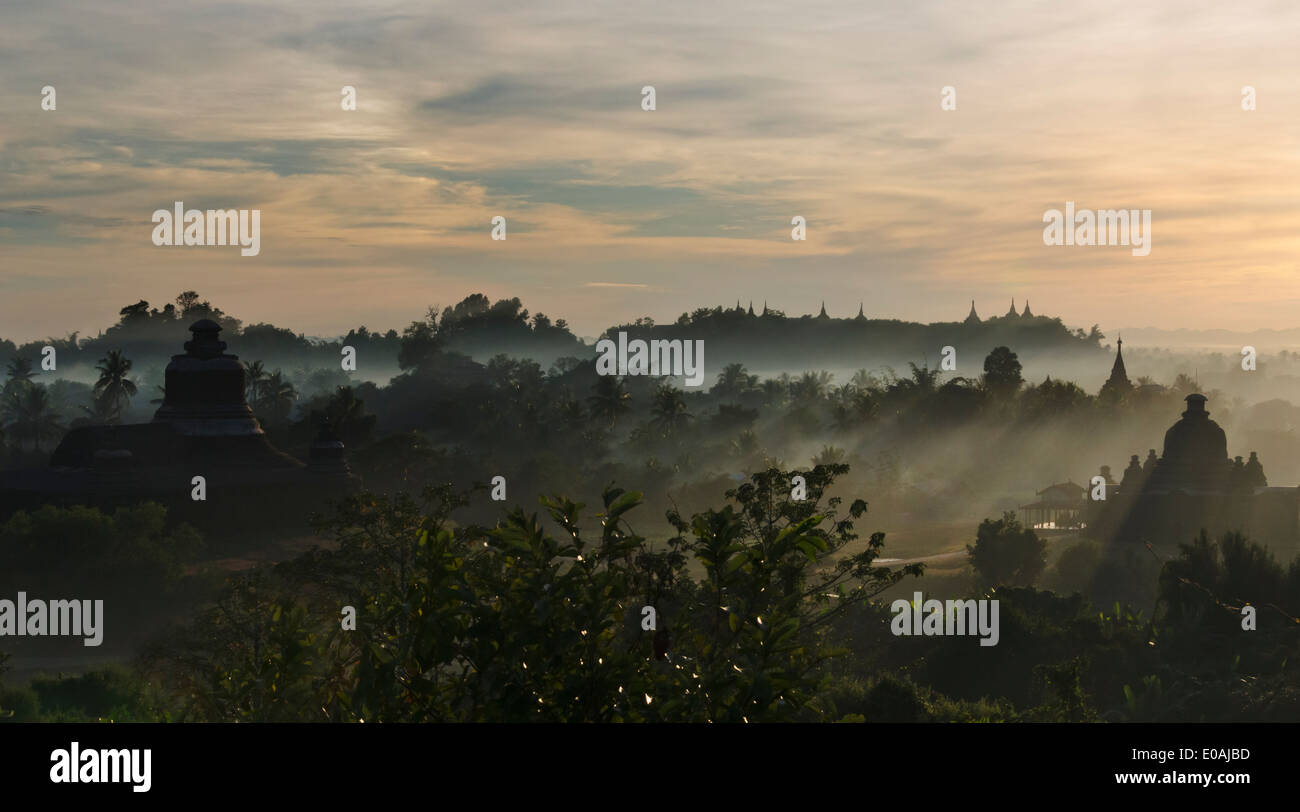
{"x":811,"y":386}
{"x":113,"y":387}
{"x":27,"y":414}
{"x":347,"y":416}
{"x":864,"y":380}
{"x":830,"y":455}
{"x":254,"y":377}
{"x":734,"y":380}
{"x":611,"y":398}
{"x":776,"y":390}
{"x":669,"y":408}
{"x":19,"y":371}
{"x":277,"y":397}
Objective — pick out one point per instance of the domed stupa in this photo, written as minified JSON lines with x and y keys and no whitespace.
{"x":1195,"y":486}
{"x":1195,"y":455}
{"x":205,"y":404}
{"x":205,"y":389}
{"x":203,"y":429}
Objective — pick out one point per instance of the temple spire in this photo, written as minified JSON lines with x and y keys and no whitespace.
{"x":1118,"y":381}
{"x":973,"y":318}
{"x":822,"y":315}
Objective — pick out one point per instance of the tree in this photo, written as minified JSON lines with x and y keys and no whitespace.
{"x":136,"y":313}
{"x":113,"y":387}
{"x":829,"y":455}
{"x":254,"y":377}
{"x":610,"y":399}
{"x":277,"y":398}
{"x":864,"y":380}
{"x":421,"y":342}
{"x":1006,"y":553}
{"x":28,"y":415}
{"x":734,"y":381}
{"x":1184,"y":385}
{"x":520,"y":623}
{"x":79,"y":547}
{"x":852,"y":406}
{"x":669,"y":409}
{"x":776,"y":390}
{"x":347,"y":416}
{"x":1053,"y":399}
{"x":810,"y":386}
{"x":1002,"y":371}
{"x":923,"y":382}
{"x":18,"y":372}
{"x":187,"y":301}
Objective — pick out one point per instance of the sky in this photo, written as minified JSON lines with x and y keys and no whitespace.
{"x":764,"y":111}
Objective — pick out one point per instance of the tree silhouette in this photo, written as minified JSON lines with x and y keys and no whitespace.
{"x":186,"y":302}
{"x":669,"y":410}
{"x":28,"y":415}
{"x":277,"y":398}
{"x":734,"y":381}
{"x":744,"y":592}
{"x":610,"y":399}
{"x":113,"y":387}
{"x":18,"y":372}
{"x":1006,"y":553}
{"x":810,"y":386}
{"x":254,"y":377}
{"x":1002,"y":371}
{"x":347,"y":416}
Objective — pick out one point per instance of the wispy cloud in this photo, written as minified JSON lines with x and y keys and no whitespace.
{"x":829,"y":111}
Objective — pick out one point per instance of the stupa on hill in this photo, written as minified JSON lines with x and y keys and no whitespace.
{"x":204,"y":428}
{"x":1192,"y":485}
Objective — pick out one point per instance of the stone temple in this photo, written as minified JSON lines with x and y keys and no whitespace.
{"x":204,"y":427}
{"x":1192,"y":485}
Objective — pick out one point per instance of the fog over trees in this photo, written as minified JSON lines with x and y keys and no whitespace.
{"x":627,"y":492}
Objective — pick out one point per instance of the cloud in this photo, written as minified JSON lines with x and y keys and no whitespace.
{"x":829,"y":111}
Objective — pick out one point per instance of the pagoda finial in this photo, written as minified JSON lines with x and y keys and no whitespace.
{"x":205,"y":343}
{"x":1118,"y":379}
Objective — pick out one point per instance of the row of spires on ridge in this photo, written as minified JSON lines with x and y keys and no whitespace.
{"x":822,"y":315}
{"x":973,"y":318}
